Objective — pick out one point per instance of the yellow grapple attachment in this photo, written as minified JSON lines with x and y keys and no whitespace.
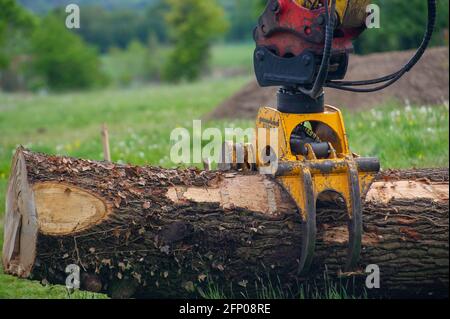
{"x":306,"y":176}
{"x":322,"y":167}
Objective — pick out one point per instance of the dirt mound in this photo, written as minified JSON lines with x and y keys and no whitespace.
{"x":427,"y":83}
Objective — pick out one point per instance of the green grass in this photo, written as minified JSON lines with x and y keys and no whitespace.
{"x":402,"y":137}
{"x":239,"y":55}
{"x":11,"y":287}
{"x":269,"y":289}
{"x":140,"y":121}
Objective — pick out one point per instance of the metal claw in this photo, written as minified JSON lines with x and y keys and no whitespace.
{"x":355,"y":226}
{"x":309,"y":226}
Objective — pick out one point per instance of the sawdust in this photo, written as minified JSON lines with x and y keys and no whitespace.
{"x":427,"y":83}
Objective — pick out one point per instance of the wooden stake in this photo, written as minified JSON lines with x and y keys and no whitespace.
{"x":207,"y":164}
{"x":105,"y":140}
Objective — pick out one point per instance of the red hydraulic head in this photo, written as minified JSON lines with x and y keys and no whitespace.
{"x":295,"y":30}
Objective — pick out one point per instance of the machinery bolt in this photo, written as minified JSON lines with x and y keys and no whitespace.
{"x":321,"y":20}
{"x":260,"y":55}
{"x":306,"y":60}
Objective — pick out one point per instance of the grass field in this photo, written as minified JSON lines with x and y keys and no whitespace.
{"x":140,"y":121}
{"x":239,"y":55}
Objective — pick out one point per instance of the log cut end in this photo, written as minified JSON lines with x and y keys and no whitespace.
{"x":65,"y":209}
{"x":50,"y":208}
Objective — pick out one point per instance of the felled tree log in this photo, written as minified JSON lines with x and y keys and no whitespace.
{"x":151,"y":232}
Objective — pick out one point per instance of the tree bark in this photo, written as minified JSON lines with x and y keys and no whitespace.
{"x":152,"y":232}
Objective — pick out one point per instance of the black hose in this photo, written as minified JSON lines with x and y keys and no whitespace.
{"x":394,"y":77}
{"x":322,"y":75}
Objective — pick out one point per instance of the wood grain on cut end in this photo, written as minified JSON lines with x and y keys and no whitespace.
{"x":66,"y":209}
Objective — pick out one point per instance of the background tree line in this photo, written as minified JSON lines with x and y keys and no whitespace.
{"x":153,"y":40}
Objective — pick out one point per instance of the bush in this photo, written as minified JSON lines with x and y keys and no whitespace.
{"x":13,"y":20}
{"x":136,"y":64}
{"x":193,"y":24}
{"x":62,"y":58}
